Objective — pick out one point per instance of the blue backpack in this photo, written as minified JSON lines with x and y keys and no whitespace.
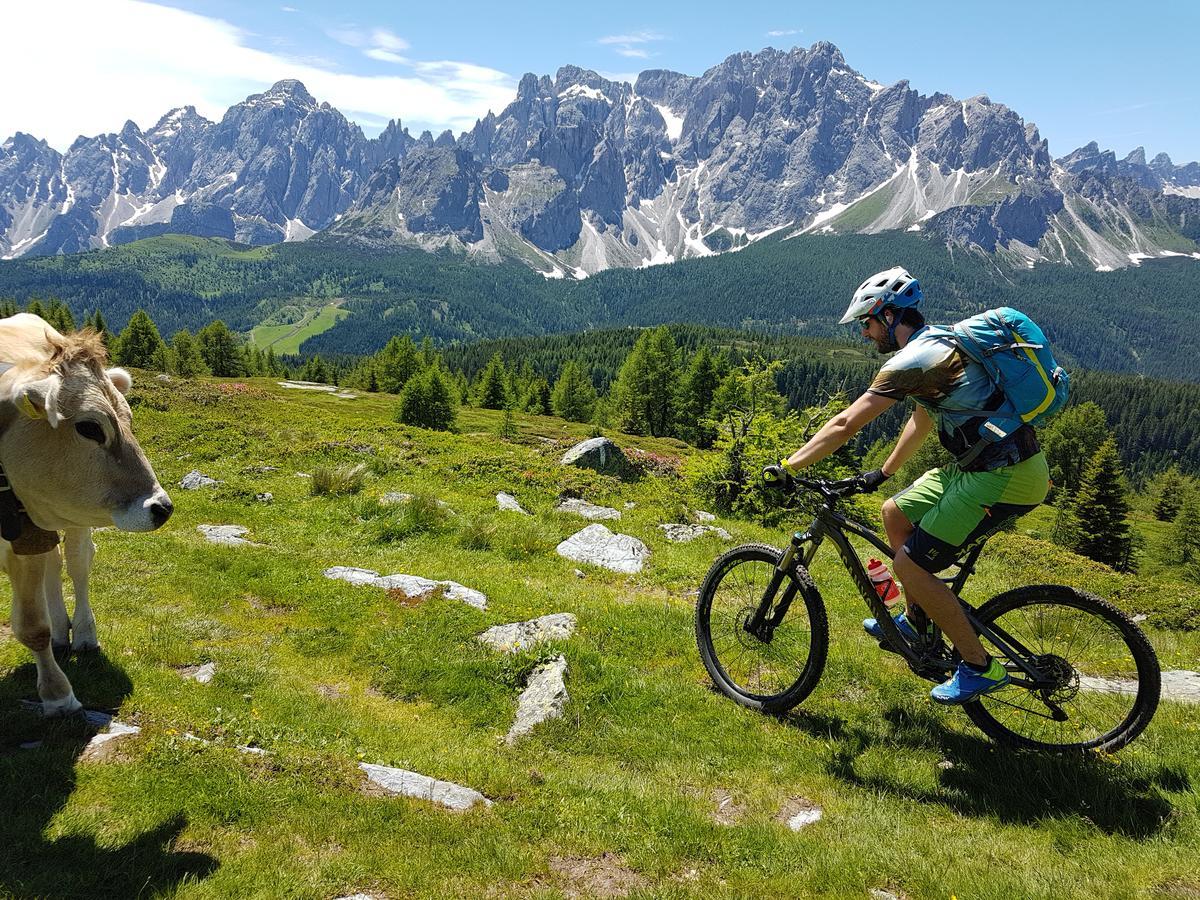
{"x":1014,"y":352}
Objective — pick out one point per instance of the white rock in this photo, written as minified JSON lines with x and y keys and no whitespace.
{"x":600,"y":547}
{"x":804,"y":817}
{"x":229,"y":535}
{"x":411,"y":585}
{"x":1177,"y":684}
{"x":579,"y":507}
{"x":508,"y":503}
{"x":308,"y":386}
{"x":413,"y":784}
{"x":703,"y":517}
{"x":264,"y":497}
{"x":684,"y":533}
{"x":597,"y":453}
{"x":392,"y":498}
{"x":346,"y":395}
{"x":116,"y":731}
{"x":544,"y":697}
{"x":522,"y":635}
{"x":195,"y":479}
{"x":201,"y":674}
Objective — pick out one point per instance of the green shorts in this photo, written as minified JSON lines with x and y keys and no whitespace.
{"x":953,"y":509}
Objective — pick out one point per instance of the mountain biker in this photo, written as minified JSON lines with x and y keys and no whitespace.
{"x":933,"y":520}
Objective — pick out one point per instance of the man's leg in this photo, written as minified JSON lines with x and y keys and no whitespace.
{"x":936,"y":600}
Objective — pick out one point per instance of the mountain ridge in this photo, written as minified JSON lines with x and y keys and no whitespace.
{"x":580,"y":173}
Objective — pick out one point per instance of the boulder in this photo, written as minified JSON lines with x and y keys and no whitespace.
{"x":681,"y":534}
{"x":227,"y":535}
{"x":410,"y":585}
{"x":522,"y":635}
{"x":508,"y":503}
{"x":600,"y":547}
{"x":579,"y":507}
{"x":599,"y":454}
{"x":544,"y":697}
{"x":195,"y":479}
{"x":412,"y":784}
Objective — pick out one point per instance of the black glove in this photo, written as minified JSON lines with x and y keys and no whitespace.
{"x":870,"y":481}
{"x":778,"y":478}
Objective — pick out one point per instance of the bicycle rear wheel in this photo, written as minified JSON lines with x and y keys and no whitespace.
{"x":769,"y":675}
{"x":1105,"y":673}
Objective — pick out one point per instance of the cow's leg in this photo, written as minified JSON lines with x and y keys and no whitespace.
{"x":60,"y":622}
{"x":77,"y":542}
{"x":31,"y":626}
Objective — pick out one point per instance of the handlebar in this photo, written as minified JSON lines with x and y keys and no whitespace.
{"x":831,"y":491}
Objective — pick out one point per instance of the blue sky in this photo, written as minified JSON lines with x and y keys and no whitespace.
{"x":1121,"y":75}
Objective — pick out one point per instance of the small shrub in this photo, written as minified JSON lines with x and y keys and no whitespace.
{"x":423,"y":513}
{"x":479,"y":533}
{"x":533,"y":539}
{"x":338,"y":480}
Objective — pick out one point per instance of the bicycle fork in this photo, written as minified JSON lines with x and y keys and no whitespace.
{"x":762,"y":623}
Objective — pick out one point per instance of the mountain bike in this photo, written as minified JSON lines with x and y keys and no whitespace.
{"x":1084,"y":676}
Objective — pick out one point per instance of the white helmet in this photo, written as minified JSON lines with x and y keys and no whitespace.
{"x":895,"y":287}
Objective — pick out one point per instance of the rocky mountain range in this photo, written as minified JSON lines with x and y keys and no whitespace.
{"x":580,"y":173}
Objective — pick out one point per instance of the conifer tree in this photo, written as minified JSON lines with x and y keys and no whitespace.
{"x":643,"y":394}
{"x":427,"y":401}
{"x":1166,"y":491}
{"x":1101,"y":509}
{"x":185,"y":358}
{"x":397,"y":362}
{"x":492,"y":390}
{"x":538,"y":400}
{"x":36,"y":308}
{"x":219,"y":347}
{"x":1184,"y":546}
{"x":573,"y":398}
{"x":139,"y":344}
{"x":1070,"y":441}
{"x":7,"y":308}
{"x":694,"y":399}
{"x":59,"y":315}
{"x":97,"y":322}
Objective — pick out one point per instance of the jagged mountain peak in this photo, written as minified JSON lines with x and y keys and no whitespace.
{"x":287,"y":89}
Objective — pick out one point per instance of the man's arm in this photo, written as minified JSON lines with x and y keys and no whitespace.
{"x":838,"y":430}
{"x":916,"y":429}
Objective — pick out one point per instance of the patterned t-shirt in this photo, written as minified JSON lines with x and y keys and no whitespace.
{"x":935,"y":373}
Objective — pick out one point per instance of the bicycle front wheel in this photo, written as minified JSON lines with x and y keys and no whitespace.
{"x":771,"y":675}
{"x":1104,"y":675}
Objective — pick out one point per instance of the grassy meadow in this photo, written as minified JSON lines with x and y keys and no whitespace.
{"x":651,"y":785}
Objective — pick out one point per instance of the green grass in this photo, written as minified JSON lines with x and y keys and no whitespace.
{"x":864,"y":212}
{"x":323,"y":675}
{"x":286,"y":339}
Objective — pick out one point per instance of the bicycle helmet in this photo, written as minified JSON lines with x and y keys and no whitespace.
{"x":895,"y":288}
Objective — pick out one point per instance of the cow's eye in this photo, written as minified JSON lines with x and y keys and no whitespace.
{"x":90,"y":430}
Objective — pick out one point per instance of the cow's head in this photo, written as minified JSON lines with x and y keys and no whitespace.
{"x":67,"y":447}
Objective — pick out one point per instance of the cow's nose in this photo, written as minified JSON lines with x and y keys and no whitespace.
{"x":161,"y":511}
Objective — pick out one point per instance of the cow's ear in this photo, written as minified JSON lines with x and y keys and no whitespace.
{"x":39,"y":399}
{"x":121,"y":379}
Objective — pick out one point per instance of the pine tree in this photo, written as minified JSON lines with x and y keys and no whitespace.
{"x":492,"y":390}
{"x":1184,"y":540}
{"x":694,"y":399}
{"x":573,"y":397}
{"x":36,"y":308}
{"x":427,"y":401}
{"x":219,"y":347}
{"x":1166,"y":491}
{"x":643,"y":395}
{"x":185,"y":358}
{"x":59,"y":315}
{"x":397,"y":362}
{"x":1101,"y":509}
{"x":97,"y":322}
{"x":1070,"y":441}
{"x":139,"y":344}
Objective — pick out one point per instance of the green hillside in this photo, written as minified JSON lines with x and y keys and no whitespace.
{"x":651,"y":784}
{"x":1130,"y":320}
{"x":285,"y":339}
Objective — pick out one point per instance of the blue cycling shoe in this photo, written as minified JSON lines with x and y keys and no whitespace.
{"x":969,"y":683}
{"x":875,"y":630}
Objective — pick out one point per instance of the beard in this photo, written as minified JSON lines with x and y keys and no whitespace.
{"x":887,"y":344}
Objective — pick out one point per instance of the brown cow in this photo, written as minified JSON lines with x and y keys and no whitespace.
{"x":68,"y":453}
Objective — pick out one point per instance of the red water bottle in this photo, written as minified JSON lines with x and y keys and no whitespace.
{"x":885,"y":585}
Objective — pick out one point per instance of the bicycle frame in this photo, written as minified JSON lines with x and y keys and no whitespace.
{"x":829,"y":523}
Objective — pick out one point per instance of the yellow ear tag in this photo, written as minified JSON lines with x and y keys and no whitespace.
{"x":26,"y":406}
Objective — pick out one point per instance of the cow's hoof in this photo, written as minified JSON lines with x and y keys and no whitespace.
{"x":85,"y":646}
{"x":60,"y":649}
{"x":58,"y":709}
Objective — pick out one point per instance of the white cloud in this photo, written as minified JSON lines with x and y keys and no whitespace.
{"x":385,"y":40}
{"x":125,"y":59}
{"x":783,"y":32}
{"x":384,"y":55}
{"x":288,"y":9}
{"x":634,"y":52}
{"x":623,"y":44}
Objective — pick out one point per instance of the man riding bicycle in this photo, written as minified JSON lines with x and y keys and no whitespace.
{"x":946,"y":510}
